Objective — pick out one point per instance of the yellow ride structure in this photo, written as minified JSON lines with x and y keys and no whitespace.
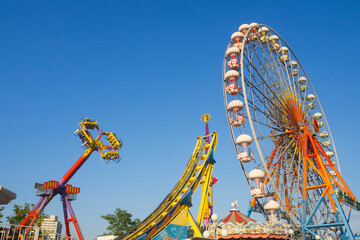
{"x":174,"y":211}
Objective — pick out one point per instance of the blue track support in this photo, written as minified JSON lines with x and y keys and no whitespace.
{"x":211,"y":157}
{"x":314,"y":211}
{"x":311,"y":232}
{"x":249,"y":211}
{"x":303,"y":218}
{"x":345,"y":221}
{"x":186,"y":199}
{"x":341,"y":229}
{"x":326,"y":225}
{"x":306,"y":221}
{"x":348,"y":219}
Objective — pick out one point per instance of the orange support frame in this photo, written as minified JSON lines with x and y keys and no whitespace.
{"x":310,"y":153}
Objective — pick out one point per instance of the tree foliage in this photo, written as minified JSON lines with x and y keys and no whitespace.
{"x":20,"y":212}
{"x":1,"y":214}
{"x":120,"y":222}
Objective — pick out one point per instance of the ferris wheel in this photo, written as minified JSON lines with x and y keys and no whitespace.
{"x":294,"y":176}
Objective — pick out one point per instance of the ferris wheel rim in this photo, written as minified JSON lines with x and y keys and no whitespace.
{"x":230,"y":127}
{"x":228,"y":119}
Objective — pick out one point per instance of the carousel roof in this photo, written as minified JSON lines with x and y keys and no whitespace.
{"x":237,"y":217}
{"x":237,"y":226}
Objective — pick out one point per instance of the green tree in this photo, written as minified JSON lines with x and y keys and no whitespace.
{"x":1,"y":214}
{"x":120,"y":222}
{"x":20,"y":212}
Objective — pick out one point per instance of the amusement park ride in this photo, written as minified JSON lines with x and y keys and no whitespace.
{"x":173,"y":213}
{"x":296,"y":172}
{"x":294,"y":177}
{"x":50,"y":189}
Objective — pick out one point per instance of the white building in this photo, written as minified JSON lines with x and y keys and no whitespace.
{"x":107,"y":237}
{"x":52,"y":227}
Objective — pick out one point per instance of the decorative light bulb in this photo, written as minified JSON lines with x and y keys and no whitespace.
{"x":224,"y":233}
{"x":214,"y":217}
{"x":206,"y":234}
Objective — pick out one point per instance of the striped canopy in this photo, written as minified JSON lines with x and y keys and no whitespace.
{"x":237,"y":217}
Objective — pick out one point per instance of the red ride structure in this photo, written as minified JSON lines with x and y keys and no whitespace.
{"x":48,"y":190}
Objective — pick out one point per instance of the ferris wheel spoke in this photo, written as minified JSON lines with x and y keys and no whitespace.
{"x":279,"y":72}
{"x":284,"y":69}
{"x":251,"y":64}
{"x":259,"y":131}
{"x":254,"y":107}
{"x":263,"y":81}
{"x":283,"y":151}
{"x":295,"y":174}
{"x":252,"y":86}
{"x":271,"y":135}
{"x":271,"y":62}
{"x":267,"y":125}
{"x":265,"y":84}
{"x":265,"y":67}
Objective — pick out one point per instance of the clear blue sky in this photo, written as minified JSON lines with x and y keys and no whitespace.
{"x":148,"y":70}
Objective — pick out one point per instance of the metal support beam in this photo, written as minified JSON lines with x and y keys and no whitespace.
{"x":344,"y":220}
{"x":326,"y":225}
{"x":314,"y":211}
{"x":303,"y":218}
{"x":249,"y":211}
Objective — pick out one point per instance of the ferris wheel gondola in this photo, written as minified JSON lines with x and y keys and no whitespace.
{"x":268,"y":90}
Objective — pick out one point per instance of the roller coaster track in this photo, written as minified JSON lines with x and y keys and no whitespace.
{"x":199,"y":165}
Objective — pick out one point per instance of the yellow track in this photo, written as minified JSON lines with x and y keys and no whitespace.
{"x":198,"y":165}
